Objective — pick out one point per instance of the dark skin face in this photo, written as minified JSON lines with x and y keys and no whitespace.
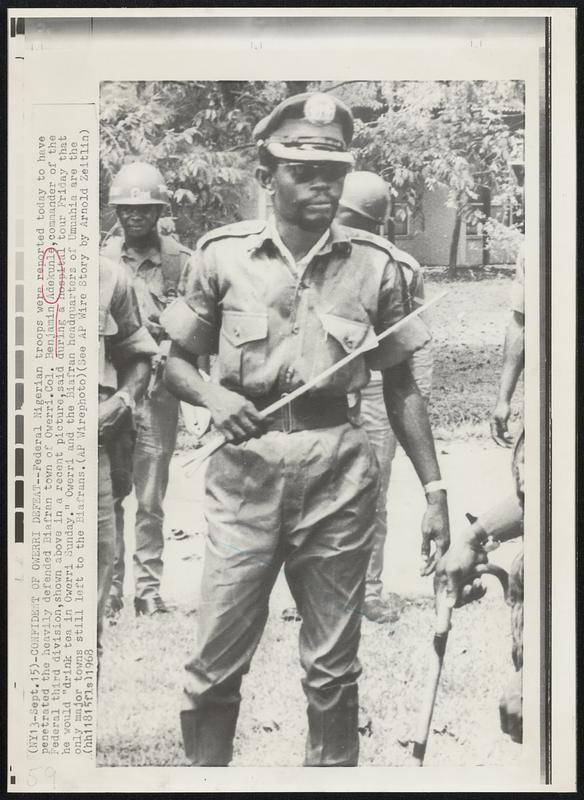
{"x":309,"y":206}
{"x":138,"y":222}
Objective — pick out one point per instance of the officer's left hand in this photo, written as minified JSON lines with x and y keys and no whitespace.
{"x":436,"y":528}
{"x":111,"y":412}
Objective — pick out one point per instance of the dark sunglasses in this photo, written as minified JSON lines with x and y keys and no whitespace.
{"x":304,"y":172}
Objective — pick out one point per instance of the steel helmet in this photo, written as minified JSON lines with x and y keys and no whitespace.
{"x":367,"y":194}
{"x":138,"y":184}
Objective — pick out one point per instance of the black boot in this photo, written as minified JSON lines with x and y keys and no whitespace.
{"x":208,"y":734}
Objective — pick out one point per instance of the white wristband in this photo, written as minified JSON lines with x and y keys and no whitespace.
{"x":434,"y":486}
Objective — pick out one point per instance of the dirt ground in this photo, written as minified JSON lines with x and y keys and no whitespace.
{"x":141,"y":671}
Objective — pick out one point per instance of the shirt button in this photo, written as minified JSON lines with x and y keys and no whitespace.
{"x":236,"y":333}
{"x":349,"y":342}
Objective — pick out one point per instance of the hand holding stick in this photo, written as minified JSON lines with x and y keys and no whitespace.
{"x":444,"y":607}
{"x":217,"y":440}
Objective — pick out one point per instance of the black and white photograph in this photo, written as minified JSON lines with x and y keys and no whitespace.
{"x":291,"y":313}
{"x":271,"y":230}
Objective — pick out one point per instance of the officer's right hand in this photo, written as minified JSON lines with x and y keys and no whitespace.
{"x":499,"y":430}
{"x":233,"y":415}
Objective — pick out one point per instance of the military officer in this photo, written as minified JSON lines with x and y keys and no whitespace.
{"x":125,"y":352}
{"x":279,"y":302}
{"x":365,"y":204}
{"x":155,"y":262}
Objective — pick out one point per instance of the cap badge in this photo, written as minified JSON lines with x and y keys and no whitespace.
{"x":320,"y":109}
{"x":139,"y":194}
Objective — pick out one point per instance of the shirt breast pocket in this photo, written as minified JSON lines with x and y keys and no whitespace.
{"x":342,"y":337}
{"x":242,"y":349}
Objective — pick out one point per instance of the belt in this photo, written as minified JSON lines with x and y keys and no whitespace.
{"x":304,"y":414}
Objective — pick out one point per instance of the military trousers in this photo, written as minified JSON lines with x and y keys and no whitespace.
{"x":156,"y":423}
{"x":305,"y":500}
{"x":373,"y":418}
{"x":105,"y":538}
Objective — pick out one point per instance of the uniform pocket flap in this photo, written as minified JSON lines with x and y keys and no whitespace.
{"x":240,"y":328}
{"x":348,"y":332}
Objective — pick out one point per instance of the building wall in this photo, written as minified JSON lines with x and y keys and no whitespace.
{"x":430,"y":236}
{"x":429,"y":240}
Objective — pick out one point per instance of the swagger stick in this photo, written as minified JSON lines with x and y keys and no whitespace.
{"x":217,"y":439}
{"x":443,"y":616}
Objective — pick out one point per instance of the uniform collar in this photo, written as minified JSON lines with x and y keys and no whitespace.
{"x":152,"y":254}
{"x":336,"y":238}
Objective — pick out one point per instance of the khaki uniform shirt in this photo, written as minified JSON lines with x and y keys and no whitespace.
{"x":422,"y":361}
{"x":155,"y":282}
{"x":122,"y":336}
{"x":275,"y":326}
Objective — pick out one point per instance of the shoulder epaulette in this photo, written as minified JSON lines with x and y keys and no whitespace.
{"x":364,"y":237}
{"x":236,"y":229}
{"x":404,"y":258}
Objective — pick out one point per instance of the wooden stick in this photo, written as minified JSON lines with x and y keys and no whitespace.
{"x":217,"y":439}
{"x":443,"y":617}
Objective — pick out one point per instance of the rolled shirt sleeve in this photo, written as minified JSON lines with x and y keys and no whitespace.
{"x":422,"y":361}
{"x":131,"y":339}
{"x":409,"y":337}
{"x":192,"y":320}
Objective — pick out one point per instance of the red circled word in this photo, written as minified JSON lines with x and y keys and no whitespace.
{"x":60,"y":266}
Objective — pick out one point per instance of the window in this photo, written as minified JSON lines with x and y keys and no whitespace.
{"x":402,"y":219}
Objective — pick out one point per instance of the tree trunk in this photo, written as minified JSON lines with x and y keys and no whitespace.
{"x":486,"y":201}
{"x":452,"y":262}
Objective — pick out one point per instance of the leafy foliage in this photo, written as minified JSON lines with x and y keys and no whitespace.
{"x":462,"y":135}
{"x":197,"y":133}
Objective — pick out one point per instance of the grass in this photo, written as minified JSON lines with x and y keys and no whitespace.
{"x":141,"y":674}
{"x":141,"y":684}
{"x":468,"y":327}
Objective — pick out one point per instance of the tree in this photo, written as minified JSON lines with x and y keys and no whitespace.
{"x":463,"y":135}
{"x":198,"y":133}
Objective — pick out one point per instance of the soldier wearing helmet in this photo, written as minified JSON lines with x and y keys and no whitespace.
{"x":280,"y":301}
{"x":155,"y":263}
{"x":125,"y":351}
{"x":365,"y":204}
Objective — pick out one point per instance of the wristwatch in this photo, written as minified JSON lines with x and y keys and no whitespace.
{"x":434,"y":486}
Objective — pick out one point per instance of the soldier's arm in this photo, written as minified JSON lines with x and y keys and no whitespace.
{"x":131,"y":350}
{"x":233,"y":416}
{"x":513,"y":361}
{"x":408,"y":416}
